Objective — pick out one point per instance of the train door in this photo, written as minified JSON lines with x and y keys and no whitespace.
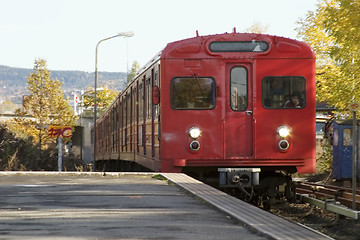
{"x":238,"y":127}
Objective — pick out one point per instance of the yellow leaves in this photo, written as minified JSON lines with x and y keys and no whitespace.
{"x":104,"y":99}
{"x":257,"y":27}
{"x":332,"y":31}
{"x":45,"y":103}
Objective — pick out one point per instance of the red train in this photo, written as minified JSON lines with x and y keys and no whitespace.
{"x":238,"y":103}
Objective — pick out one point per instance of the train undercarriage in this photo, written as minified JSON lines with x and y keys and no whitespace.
{"x":262,"y":189}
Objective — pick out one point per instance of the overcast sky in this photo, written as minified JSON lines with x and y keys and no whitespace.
{"x":65,"y":32}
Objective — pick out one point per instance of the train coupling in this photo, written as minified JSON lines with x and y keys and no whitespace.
{"x":238,"y":177}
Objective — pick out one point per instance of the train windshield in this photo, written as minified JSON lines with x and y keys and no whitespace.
{"x":284,"y":92}
{"x":192,"y":93}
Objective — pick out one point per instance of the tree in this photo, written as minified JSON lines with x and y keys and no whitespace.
{"x":257,"y":27}
{"x":7,"y":106}
{"x":134,"y":69}
{"x":46,"y":106}
{"x":104,"y":98}
{"x":332,"y":31}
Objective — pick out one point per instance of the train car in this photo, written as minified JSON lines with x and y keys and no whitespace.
{"x":239,"y":104}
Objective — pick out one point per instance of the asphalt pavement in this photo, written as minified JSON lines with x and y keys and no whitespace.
{"x":114,"y":206}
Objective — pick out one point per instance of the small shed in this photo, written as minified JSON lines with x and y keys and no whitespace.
{"x":343,"y":149}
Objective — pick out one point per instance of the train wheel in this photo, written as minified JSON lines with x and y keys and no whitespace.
{"x":290,"y":191}
{"x":264,"y":202}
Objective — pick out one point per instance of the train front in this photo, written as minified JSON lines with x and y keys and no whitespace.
{"x":241,"y":104}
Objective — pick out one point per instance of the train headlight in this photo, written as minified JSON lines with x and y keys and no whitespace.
{"x":194,"y":132}
{"x":283,"y":131}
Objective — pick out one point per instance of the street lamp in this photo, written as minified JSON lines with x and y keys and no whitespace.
{"x":122,"y":34}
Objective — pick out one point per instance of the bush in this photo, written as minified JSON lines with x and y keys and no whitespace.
{"x":17,"y":154}
{"x":324,"y":162}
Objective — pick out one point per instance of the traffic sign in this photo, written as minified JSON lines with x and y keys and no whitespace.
{"x":354,"y":106}
{"x":60,"y":131}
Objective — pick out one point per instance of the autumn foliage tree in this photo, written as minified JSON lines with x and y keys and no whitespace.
{"x":134,"y":69}
{"x":333,"y":32}
{"x":257,"y":27}
{"x":104,"y":98}
{"x":45,"y":105}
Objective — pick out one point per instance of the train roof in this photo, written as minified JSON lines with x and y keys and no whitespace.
{"x":191,"y":47}
{"x":248,"y":44}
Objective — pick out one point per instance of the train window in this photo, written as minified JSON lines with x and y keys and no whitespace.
{"x":284,"y":92}
{"x":148,"y":98}
{"x":238,"y":79}
{"x":192,"y":93}
{"x":347,"y":137}
{"x":123,"y":112}
{"x":336,"y":137}
{"x":134,"y":104}
{"x":156,"y":83}
{"x":156,"y":79}
{"x":236,"y":46}
{"x":141,"y":101}
{"x":128,"y":108}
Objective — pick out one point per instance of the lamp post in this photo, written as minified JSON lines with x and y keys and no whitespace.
{"x":122,"y":34}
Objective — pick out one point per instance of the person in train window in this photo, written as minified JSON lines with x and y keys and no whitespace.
{"x":293,"y":102}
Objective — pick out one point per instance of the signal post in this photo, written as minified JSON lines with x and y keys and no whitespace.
{"x":59,"y":132}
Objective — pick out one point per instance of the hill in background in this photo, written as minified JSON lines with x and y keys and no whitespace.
{"x":13,"y":81}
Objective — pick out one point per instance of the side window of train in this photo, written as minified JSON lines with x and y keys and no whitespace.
{"x":148,"y":98}
{"x":134,"y":95}
{"x":188,"y":93}
{"x":141,"y":102}
{"x":284,"y":92}
{"x":238,"y":89}
{"x":128,"y":107}
{"x":156,"y":83}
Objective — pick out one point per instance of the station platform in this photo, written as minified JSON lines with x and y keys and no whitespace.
{"x":66,"y":205}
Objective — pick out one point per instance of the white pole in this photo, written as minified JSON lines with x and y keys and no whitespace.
{"x":60,"y":154}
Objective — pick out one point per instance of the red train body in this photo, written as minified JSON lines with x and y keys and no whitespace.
{"x":232,"y":100}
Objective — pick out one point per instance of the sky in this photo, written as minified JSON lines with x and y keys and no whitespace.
{"x":65,"y":32}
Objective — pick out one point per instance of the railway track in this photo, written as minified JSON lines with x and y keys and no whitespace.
{"x":321,"y":191}
{"x":333,"y":198}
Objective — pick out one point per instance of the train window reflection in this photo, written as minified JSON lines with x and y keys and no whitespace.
{"x":347,"y":137}
{"x":238,"y":85}
{"x":336,"y":137}
{"x":192,"y":93}
{"x":284,"y":92}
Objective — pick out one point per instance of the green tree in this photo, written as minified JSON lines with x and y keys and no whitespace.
{"x":134,"y":69}
{"x":46,"y":106}
{"x":104,"y":98}
{"x":332,"y":31}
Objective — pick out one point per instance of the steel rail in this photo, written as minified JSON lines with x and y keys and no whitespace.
{"x":332,"y":198}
